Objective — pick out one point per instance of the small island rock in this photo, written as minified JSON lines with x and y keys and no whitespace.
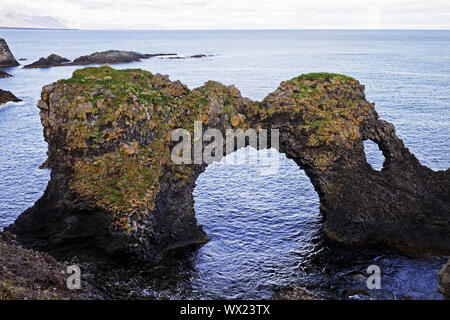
{"x":6,"y":57}
{"x":7,"y":96}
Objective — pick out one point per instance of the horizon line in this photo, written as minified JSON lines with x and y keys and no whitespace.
{"x":232,"y":29}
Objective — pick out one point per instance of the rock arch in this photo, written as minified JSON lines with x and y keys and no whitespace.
{"x":114,"y":190}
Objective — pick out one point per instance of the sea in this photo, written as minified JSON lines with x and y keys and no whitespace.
{"x":265,"y":230}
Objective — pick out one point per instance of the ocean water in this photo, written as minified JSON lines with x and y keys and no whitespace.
{"x":265,"y":230}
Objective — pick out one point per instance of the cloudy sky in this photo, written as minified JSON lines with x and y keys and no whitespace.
{"x":226,"y":14}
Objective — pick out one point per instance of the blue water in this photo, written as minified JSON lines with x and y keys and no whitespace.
{"x":265,"y":230}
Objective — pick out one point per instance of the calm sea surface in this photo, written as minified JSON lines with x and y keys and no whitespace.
{"x":265,"y":230}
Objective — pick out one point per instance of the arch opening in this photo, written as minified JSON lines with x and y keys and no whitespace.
{"x":261,"y":224}
{"x":374,"y":155}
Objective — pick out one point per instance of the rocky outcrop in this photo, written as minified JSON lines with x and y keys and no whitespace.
{"x":115,"y":57}
{"x":31,"y":275}
{"x":52,"y":60}
{"x":444,"y":280}
{"x":6,"y":57}
{"x":7,"y":96}
{"x":115,"y":191}
{"x":104,"y":57}
{"x":4,"y":74}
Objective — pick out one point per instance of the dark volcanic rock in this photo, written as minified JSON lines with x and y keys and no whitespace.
{"x":114,"y":189}
{"x":114,"y":57}
{"x":7,"y":96}
{"x":6,"y":57}
{"x":104,"y":57}
{"x":52,"y":60}
{"x":31,"y":275}
{"x":4,"y":74}
{"x":295,"y":293}
{"x":444,"y":280}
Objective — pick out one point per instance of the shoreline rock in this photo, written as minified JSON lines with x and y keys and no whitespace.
{"x":6,"y":57}
{"x":7,"y":96}
{"x":4,"y":74}
{"x":295,"y":293}
{"x":31,"y":275}
{"x":444,"y":280}
{"x":115,"y":192}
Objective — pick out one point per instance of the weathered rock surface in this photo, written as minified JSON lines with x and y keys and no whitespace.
{"x":52,"y":60}
{"x":4,"y":74}
{"x":114,"y":190}
{"x":6,"y":57}
{"x":7,"y":96}
{"x":31,"y":275}
{"x":444,"y":280}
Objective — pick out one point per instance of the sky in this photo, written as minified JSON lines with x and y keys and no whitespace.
{"x":226,"y":14}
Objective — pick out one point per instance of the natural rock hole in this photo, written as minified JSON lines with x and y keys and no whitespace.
{"x":374,"y":156}
{"x":258,"y":223}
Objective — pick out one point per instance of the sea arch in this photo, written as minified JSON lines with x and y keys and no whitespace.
{"x":116,"y":192}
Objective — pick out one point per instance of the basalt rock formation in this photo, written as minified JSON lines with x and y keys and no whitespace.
{"x":115,"y":191}
{"x":6,"y":57}
{"x":52,"y":60}
{"x":7,"y":96}
{"x":444,"y":280}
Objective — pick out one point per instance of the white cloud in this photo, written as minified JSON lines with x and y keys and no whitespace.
{"x":230,"y":14}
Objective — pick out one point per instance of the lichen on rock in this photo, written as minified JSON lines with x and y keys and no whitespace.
{"x":114,"y":190}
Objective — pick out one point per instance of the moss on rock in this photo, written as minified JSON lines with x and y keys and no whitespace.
{"x":115,"y":186}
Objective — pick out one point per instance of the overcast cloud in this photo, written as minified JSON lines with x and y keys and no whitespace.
{"x":229,"y":14}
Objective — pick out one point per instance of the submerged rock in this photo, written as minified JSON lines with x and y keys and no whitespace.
{"x":6,"y":57}
{"x":4,"y":74}
{"x":7,"y":96}
{"x":444,"y":280}
{"x":115,"y":192}
{"x":52,"y":60}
